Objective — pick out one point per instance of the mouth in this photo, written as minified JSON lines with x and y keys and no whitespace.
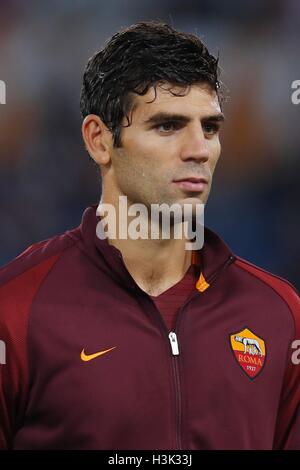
{"x":192,"y":184}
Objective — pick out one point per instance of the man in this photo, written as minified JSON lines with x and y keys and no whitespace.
{"x":119,"y":342}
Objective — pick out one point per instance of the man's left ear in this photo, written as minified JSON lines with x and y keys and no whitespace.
{"x":97,"y":138}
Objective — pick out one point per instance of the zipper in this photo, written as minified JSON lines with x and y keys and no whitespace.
{"x":174,"y":343}
{"x":173,"y":338}
{"x":178,"y":404}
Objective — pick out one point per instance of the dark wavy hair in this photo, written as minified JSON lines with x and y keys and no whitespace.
{"x":144,"y":55}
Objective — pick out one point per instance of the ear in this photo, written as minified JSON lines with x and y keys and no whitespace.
{"x":98,"y":139}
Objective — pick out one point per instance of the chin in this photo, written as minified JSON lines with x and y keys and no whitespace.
{"x":193,"y":201}
{"x":192,"y":210}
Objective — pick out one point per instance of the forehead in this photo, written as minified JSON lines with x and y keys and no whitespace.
{"x":197,"y":100}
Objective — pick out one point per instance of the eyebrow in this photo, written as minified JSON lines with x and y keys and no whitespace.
{"x":163,"y":116}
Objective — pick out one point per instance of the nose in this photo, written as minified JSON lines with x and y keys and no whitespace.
{"x":195,"y":145}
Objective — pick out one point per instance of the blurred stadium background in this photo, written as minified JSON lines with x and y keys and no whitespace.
{"x":46,"y":179}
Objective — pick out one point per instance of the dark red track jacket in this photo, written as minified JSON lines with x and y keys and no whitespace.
{"x":88,"y":363}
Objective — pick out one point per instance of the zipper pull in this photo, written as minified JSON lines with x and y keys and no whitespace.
{"x":174,"y":343}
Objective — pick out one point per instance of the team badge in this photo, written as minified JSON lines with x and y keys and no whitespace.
{"x":249,"y":351}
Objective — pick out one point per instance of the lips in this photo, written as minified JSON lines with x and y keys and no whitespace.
{"x":192,"y":184}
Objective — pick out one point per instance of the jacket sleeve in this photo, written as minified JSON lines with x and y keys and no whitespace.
{"x":287,"y":433}
{"x":13,"y":360}
{"x":18,"y":291}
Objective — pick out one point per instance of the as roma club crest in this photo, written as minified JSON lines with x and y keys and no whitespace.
{"x":249,"y":351}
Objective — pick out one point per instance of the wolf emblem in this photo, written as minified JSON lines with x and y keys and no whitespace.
{"x":250,"y":344}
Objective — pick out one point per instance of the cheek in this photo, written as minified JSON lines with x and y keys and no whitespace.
{"x":136,"y":173}
{"x":214,"y":155}
{"x":139,"y":162}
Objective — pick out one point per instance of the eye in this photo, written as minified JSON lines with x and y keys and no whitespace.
{"x":167,"y":127}
{"x":211,"y":128}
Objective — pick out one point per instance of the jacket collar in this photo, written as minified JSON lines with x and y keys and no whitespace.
{"x":212,"y":258}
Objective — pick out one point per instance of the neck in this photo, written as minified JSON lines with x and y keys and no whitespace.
{"x":155,"y":264}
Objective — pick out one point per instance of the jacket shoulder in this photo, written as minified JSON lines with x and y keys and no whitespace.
{"x":284,"y":289}
{"x":37,"y":256}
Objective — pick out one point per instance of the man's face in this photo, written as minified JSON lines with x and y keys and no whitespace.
{"x":170,"y":150}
